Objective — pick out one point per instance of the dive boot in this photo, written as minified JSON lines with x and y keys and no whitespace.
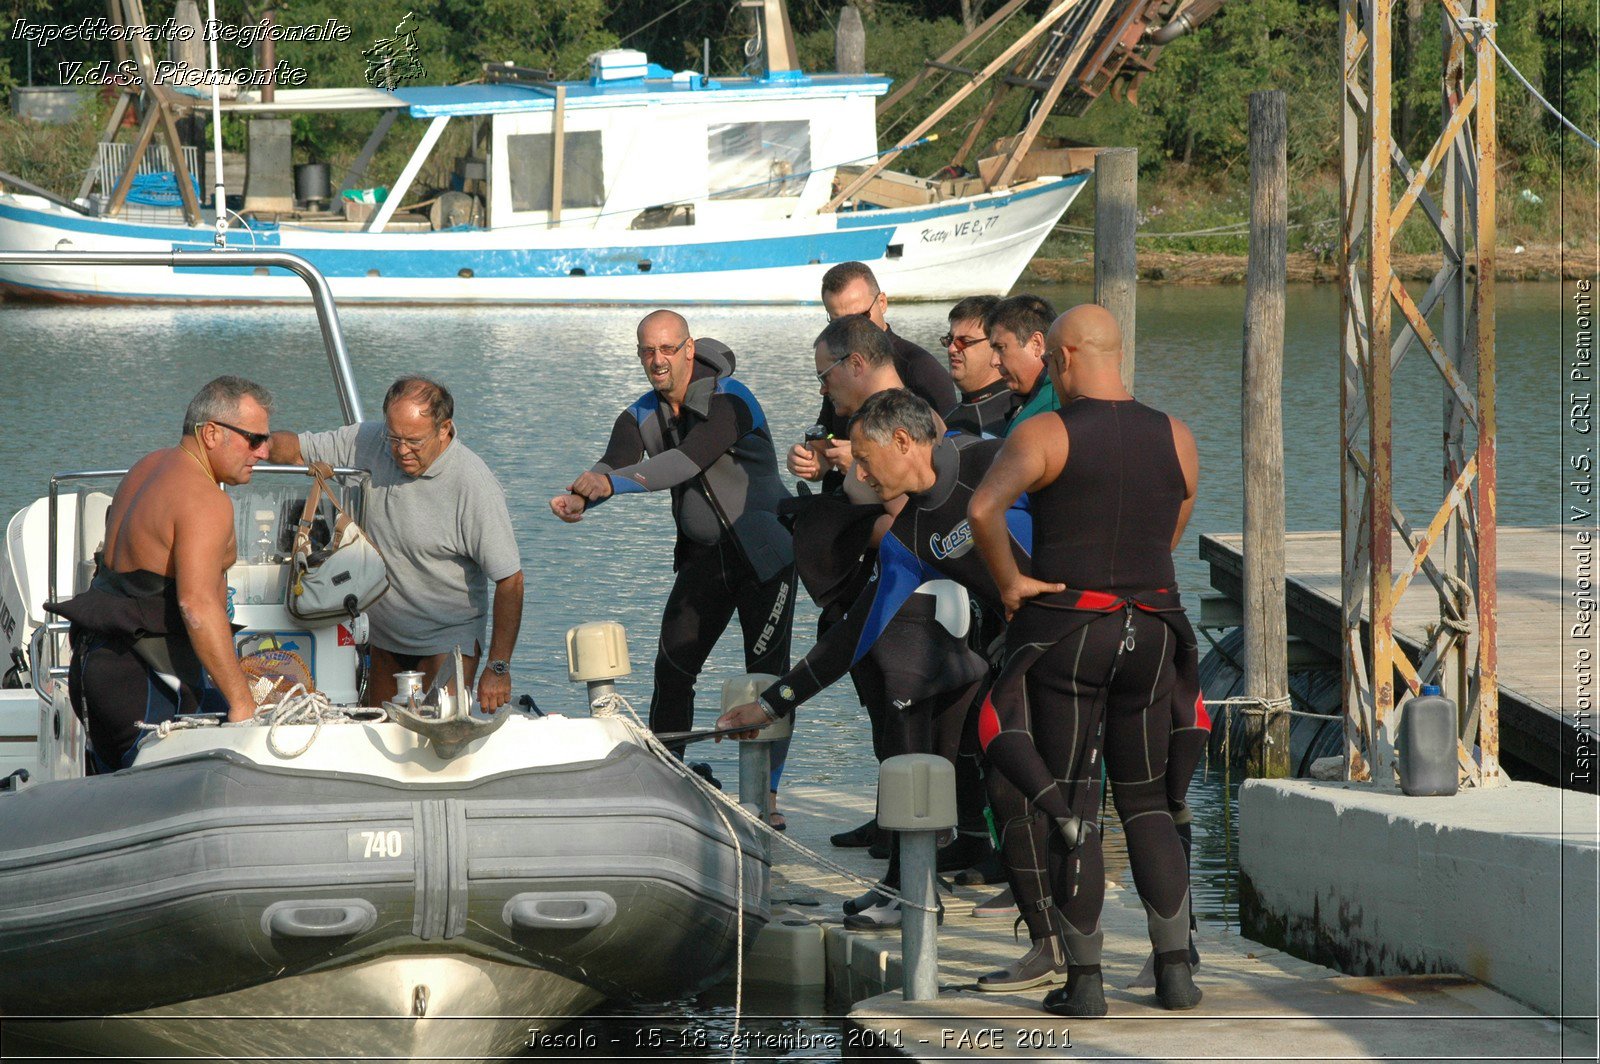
{"x":856,"y":837}
{"x":1084,"y":996}
{"x":1043,"y":965}
{"x":1175,"y":988}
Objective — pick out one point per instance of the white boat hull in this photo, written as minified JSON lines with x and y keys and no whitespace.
{"x":970,"y":246}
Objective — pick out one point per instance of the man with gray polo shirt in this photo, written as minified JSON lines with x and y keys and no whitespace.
{"x":440,"y":519}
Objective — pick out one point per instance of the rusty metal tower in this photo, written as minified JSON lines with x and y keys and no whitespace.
{"x":1452,"y":325}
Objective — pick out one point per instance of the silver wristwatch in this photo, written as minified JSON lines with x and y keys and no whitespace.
{"x":498,"y":667}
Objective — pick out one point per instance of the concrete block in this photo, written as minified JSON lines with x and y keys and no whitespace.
{"x":1499,"y":885}
{"x":787,"y":952}
{"x":50,"y":104}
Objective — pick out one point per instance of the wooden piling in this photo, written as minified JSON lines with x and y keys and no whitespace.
{"x":850,"y":42}
{"x":1266,"y":669}
{"x":1116,"y":217}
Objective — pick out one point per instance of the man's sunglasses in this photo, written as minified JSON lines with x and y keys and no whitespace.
{"x":256,"y":440}
{"x":960,"y":343}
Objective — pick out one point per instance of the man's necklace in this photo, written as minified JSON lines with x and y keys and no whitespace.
{"x":203,"y":465}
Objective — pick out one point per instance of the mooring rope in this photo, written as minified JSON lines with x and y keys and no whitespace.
{"x":648,"y":738}
{"x":296,"y":706}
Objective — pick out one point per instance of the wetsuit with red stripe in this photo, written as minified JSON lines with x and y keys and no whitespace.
{"x":1107,"y":668}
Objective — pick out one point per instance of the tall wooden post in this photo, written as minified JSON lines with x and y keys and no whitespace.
{"x":1266,"y":666}
{"x":1116,"y":218}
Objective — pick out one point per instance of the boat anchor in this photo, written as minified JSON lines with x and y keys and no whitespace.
{"x":448,"y":723}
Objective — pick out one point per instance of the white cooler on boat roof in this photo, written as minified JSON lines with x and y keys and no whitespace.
{"x":618,"y":64}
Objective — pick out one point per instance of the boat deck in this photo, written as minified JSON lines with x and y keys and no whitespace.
{"x":1537,"y":696}
{"x":1291,"y":1009}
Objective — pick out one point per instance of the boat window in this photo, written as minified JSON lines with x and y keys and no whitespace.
{"x":755,"y":160}
{"x":581,"y":170}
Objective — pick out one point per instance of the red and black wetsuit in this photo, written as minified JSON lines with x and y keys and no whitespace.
{"x":1116,"y":653}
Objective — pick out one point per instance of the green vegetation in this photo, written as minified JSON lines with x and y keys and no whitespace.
{"x":1189,"y":124}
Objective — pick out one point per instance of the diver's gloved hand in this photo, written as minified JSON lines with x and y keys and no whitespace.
{"x":1072,"y":830}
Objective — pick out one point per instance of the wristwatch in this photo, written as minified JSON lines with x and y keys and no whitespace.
{"x":498,"y":667}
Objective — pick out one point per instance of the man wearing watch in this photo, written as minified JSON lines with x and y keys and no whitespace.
{"x":440,"y":518}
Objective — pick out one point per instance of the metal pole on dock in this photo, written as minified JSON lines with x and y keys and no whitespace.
{"x":1116,"y":218}
{"x":917,"y":799}
{"x":1266,"y":664}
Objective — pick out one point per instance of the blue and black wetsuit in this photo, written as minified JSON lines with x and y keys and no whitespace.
{"x":1107,"y":668}
{"x":932,"y":540}
{"x":985,"y":412}
{"x":732,"y":554}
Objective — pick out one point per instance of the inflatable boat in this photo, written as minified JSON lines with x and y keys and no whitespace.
{"x":414,"y":881}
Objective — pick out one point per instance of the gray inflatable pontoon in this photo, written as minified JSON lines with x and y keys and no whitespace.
{"x":444,"y":905}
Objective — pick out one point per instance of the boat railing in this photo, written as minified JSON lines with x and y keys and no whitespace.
{"x":344,"y":381}
{"x":322,"y":296}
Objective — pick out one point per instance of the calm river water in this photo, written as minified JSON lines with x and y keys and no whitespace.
{"x":537,"y":389}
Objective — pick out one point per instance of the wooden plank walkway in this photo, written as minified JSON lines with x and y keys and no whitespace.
{"x":1260,"y":1003}
{"x":1536,"y":712}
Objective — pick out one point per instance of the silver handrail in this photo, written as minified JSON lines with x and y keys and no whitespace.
{"x":327,"y":315}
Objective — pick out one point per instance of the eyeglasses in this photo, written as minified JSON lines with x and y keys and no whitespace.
{"x":256,"y":440}
{"x":406,"y":444}
{"x":961,"y":343}
{"x":665,"y":350}
{"x":822,"y":375}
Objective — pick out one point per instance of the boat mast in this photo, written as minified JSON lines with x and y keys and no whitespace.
{"x":775,"y":35}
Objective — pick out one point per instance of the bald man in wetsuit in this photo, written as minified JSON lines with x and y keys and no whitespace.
{"x":700,"y":435}
{"x":151,"y":637}
{"x":1100,"y":661}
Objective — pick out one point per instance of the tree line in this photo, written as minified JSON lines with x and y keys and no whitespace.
{"x":1190,"y":114}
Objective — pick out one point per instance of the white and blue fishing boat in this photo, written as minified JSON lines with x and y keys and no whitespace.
{"x":637,"y":185}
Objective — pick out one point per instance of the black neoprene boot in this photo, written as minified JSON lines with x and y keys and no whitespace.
{"x":856,"y":837}
{"x":1175,"y":987}
{"x":965,"y":852}
{"x":1084,"y":995}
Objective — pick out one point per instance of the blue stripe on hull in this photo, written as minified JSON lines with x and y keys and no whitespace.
{"x":866,"y":244}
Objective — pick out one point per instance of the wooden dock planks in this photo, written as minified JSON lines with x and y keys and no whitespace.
{"x":1534,"y":707}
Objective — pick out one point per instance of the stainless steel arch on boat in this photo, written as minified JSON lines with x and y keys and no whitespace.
{"x":344,"y":381}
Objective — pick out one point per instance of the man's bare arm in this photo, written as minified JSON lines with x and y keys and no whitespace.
{"x":202,"y":550}
{"x":495,"y":691}
{"x":285,"y":449}
{"x":1189,"y":462}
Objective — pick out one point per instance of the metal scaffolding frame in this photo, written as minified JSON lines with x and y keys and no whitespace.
{"x":1454,"y":324}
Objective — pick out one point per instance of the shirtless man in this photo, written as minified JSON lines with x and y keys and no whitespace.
{"x":151,"y":636}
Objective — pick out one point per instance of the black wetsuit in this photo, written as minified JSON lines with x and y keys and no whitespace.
{"x":985,"y":412}
{"x":1108,"y":666}
{"x":932,"y":540}
{"x":132,"y":661}
{"x":732,"y":554}
{"x":924,"y":376}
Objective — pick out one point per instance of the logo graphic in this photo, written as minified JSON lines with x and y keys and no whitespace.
{"x":953,"y":544}
{"x":345,"y":638}
{"x":393,"y":60}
